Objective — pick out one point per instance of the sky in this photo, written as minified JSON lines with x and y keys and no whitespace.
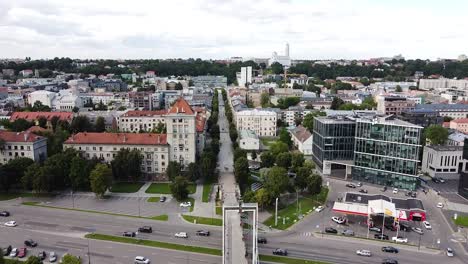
{"x":219,"y":29}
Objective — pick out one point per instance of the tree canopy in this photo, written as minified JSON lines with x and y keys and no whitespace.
{"x":436,"y":134}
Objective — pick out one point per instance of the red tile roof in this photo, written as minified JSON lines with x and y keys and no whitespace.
{"x":136,"y":113}
{"x":200,"y":123}
{"x":118,"y":138}
{"x":460,"y":120}
{"x":181,"y":106}
{"x":9,"y":136}
{"x":32,"y":116}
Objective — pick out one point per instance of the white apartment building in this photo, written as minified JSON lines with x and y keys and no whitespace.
{"x":22,"y":145}
{"x":45,"y":97}
{"x":441,"y":160}
{"x":153,"y":147}
{"x":262,"y":122}
{"x":302,"y":139}
{"x":136,"y":121}
{"x":427,"y":84}
{"x":248,"y":140}
{"x":244,"y":76}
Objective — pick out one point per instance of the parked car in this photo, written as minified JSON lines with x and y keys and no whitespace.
{"x":395,"y":190}
{"x":390,"y":227}
{"x":129,"y":234}
{"x":185,"y":204}
{"x":331,"y":230}
{"x":350,"y":185}
{"x":413,"y":195}
{"x":381,"y":236}
{"x":6,"y":250}
{"x":399,"y":239}
{"x":417,"y":230}
{"x":348,"y":232}
{"x":280,"y":251}
{"x":145,"y":229}
{"x":449,"y":252}
{"x":435,"y":180}
{"x":181,"y":234}
{"x":4,"y":213}
{"x":11,"y":223}
{"x":14,"y":252}
{"x":404,"y":227}
{"x":363,"y":252}
{"x":162,"y":199}
{"x":52,"y":257}
{"x":30,"y":243}
{"x":363,"y":191}
{"x":203,"y":233}
{"x":22,"y":252}
{"x":261,"y":240}
{"x":359,"y":184}
{"x":441,"y":180}
{"x":319,"y":209}
{"x":427,"y":225}
{"x":440,"y":205}
{"x":338,"y":220}
{"x":41,"y":255}
{"x":141,"y":260}
{"x":375,"y":229}
{"x":389,"y":261}
{"x":390,"y":249}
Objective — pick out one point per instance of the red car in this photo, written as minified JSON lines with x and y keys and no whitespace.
{"x":22,"y":253}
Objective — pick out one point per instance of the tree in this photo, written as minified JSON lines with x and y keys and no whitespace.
{"x":192,"y":171}
{"x":33,"y":260}
{"x":436,"y":134}
{"x":262,"y":197}
{"x":265,"y":100}
{"x":160,"y":128}
{"x":173,"y":170}
{"x":233,"y":134}
{"x":20,"y":125}
{"x":308,"y":121}
{"x":267,"y":159}
{"x":314,"y":184}
{"x":29,"y":176}
{"x":42,"y":121}
{"x":12,"y":172}
{"x":336,"y":103}
{"x":398,"y":89}
{"x":239,"y":153}
{"x":79,"y":174}
{"x":39,"y":107}
{"x":70,"y":259}
{"x":81,"y":123}
{"x":283,"y":160}
{"x":241,"y":171}
{"x":285,"y":137}
{"x":297,"y":160}
{"x":179,"y":86}
{"x":278,"y":147}
{"x":179,"y":188}
{"x":100,"y":125}
{"x":126,"y":166}
{"x":100,"y":179}
{"x":275,"y":181}
{"x":302,"y":177}
{"x":277,"y":68}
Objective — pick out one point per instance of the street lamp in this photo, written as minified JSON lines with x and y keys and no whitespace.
{"x":139,"y":210}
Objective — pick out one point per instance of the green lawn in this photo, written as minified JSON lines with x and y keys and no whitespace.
{"x":10,"y":196}
{"x":219,"y":210}
{"x":462,"y":220}
{"x":278,"y":259}
{"x":206,"y":192}
{"x":290,"y":211}
{"x":126,"y":187}
{"x":268,"y":141}
{"x":158,"y":244}
{"x":156,"y":217}
{"x":163,"y":188}
{"x":12,"y":261}
{"x":203,"y":220}
{"x":154,"y":199}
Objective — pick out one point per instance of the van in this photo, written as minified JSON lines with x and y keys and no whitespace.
{"x":141,"y":260}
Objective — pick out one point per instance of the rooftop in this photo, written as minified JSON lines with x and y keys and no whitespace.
{"x":181,"y":106}
{"x":137,"y":113}
{"x":442,"y":106}
{"x":248,"y":134}
{"x":9,"y":136}
{"x":117,"y":138}
{"x":460,"y":121}
{"x":301,"y":133}
{"x":66,"y":116}
{"x":444,"y":148}
{"x":406,"y":204}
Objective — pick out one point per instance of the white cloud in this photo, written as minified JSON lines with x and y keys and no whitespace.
{"x":222,"y":28}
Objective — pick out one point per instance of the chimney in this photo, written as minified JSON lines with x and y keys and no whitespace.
{"x":25,"y":136}
{"x":125,"y":138}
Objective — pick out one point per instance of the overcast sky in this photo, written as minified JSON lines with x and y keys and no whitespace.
{"x":219,"y":29}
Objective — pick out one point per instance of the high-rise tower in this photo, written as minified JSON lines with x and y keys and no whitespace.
{"x":286,"y":51}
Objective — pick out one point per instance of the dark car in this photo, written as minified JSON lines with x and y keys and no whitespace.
{"x":5,"y":213}
{"x":30,"y":243}
{"x":390,"y":249}
{"x":350,"y":185}
{"x":375,"y":229}
{"x":435,"y":180}
{"x":145,"y":229}
{"x":6,"y":250}
{"x":404,"y":227}
{"x":280,"y":251}
{"x":380,"y":236}
{"x":384,"y":189}
{"x":41,"y":255}
{"x":390,"y":227}
{"x":261,"y":240}
{"x":389,"y":261}
{"x":363,"y":191}
{"x":331,"y":230}
{"x":128,"y":234}
{"x":203,"y":233}
{"x":162,"y":199}
{"x":413,"y":195}
{"x":408,"y":193}
{"x":22,"y":252}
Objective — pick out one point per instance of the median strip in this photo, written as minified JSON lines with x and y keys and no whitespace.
{"x":156,"y":217}
{"x":158,"y":244}
{"x":277,"y":259}
{"x":203,"y":220}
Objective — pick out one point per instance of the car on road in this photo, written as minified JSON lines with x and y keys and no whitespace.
{"x":52,"y":257}
{"x":427,"y":225}
{"x":363,"y":252}
{"x":280,"y":251}
{"x":142,"y":260}
{"x":417,"y":230}
{"x":145,"y":229}
{"x":185,"y":204}
{"x":435,"y":180}
{"x":399,"y":239}
{"x":162,"y":199}
{"x":261,"y":240}
{"x":404,"y":227}
{"x":338,"y":220}
{"x":128,"y":234}
{"x":389,"y":261}
{"x":381,"y":236}
{"x":350,"y":185}
{"x":390,"y":227}
{"x":348,"y":232}
{"x":22,"y":252}
{"x":181,"y":234}
{"x":14,"y":252}
{"x":41,"y":255}
{"x":30,"y":243}
{"x":390,"y":249}
{"x":203,"y":233}
{"x":395,"y":190}
{"x":359,"y":184}
{"x":331,"y":230}
{"x":449,"y":252}
{"x":375,"y":229}
{"x":319,"y":209}
{"x":6,"y":250}
{"x":440,"y":205}
{"x":363,"y":191}
{"x":4,"y":213}
{"x":11,"y":223}
{"x":413,"y":195}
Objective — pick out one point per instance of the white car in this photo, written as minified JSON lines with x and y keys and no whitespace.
{"x":427,"y":225}
{"x":449,"y":252}
{"x":181,"y":234}
{"x":363,"y":252}
{"x":14,"y":252}
{"x":141,"y":260}
{"x":319,"y":209}
{"x":338,"y":220}
{"x":185,"y":204}
{"x":395,"y":190}
{"x":440,"y":205}
{"x":11,"y":223}
{"x":399,"y":239}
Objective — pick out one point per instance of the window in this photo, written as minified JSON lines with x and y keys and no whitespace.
{"x":94,"y":148}
{"x":16,"y":147}
{"x":22,"y":147}
{"x":162,"y":157}
{"x":108,"y":155}
{"x":100,"y":148}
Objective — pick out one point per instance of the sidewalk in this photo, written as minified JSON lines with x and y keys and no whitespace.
{"x":201,"y":208}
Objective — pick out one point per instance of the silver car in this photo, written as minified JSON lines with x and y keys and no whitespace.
{"x":52,"y":257}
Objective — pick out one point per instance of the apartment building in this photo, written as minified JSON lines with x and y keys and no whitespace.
{"x":302,"y":139}
{"x":453,"y":111}
{"x":137,"y":121}
{"x":460,"y":125}
{"x":393,"y":105}
{"x":34,"y":117}
{"x":22,"y":145}
{"x":262,"y":122}
{"x":428,"y":84}
{"x":444,"y":161}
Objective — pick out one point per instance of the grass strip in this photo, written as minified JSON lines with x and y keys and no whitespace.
{"x":158,"y":244}
{"x":462,"y":220}
{"x":164,"y":188}
{"x":126,"y":187}
{"x":157,"y":217}
{"x":219,"y":210}
{"x":206,"y":192}
{"x":278,"y":259}
{"x":154,"y":199}
{"x":203,"y":220}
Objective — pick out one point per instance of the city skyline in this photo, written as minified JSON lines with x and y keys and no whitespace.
{"x":210,"y":29}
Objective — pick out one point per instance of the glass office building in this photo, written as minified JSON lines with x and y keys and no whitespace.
{"x":386,"y":152}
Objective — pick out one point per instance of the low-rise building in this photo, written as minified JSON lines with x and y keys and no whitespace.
{"x":262,"y":122}
{"x":422,"y":117}
{"x":249,"y":140}
{"x":453,"y":111}
{"x":137,"y":121}
{"x":444,"y":161}
{"x":391,"y":105}
{"x":22,"y":145}
{"x":461,"y":125}
{"x":457,"y":139}
{"x":35,"y":116}
{"x":302,"y":140}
